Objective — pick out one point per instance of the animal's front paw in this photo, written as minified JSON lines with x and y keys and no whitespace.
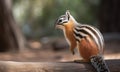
{"x":73,"y":53}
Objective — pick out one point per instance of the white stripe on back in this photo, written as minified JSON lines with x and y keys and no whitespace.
{"x":93,"y":32}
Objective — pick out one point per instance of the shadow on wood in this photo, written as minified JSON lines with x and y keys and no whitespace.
{"x":10,"y":66}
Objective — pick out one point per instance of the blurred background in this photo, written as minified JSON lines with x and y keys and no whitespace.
{"x":27,"y":30}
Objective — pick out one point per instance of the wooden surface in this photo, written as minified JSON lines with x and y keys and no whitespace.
{"x":11,"y":66}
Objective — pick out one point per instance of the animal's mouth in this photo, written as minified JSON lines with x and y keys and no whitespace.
{"x":59,"y":27}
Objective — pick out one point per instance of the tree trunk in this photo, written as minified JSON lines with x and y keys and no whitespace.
{"x":109,"y":16}
{"x":10,"y":35}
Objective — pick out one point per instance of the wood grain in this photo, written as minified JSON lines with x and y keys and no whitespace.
{"x":12,"y":66}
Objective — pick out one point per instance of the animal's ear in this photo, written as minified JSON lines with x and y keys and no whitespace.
{"x":68,"y":14}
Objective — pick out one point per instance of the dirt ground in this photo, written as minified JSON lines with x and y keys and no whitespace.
{"x":55,"y":51}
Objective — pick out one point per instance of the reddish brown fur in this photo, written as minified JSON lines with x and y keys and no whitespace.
{"x":87,"y":48}
{"x":69,"y":34}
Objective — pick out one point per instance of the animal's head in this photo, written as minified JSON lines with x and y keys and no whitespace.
{"x":63,"y":20}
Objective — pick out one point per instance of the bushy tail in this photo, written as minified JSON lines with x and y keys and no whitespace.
{"x":99,"y":64}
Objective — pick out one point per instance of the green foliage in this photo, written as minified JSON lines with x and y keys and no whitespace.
{"x":40,"y":15}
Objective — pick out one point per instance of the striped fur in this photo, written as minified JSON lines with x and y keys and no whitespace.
{"x":86,"y":38}
{"x":81,"y":31}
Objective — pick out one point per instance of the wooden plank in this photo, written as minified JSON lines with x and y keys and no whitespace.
{"x":12,"y":66}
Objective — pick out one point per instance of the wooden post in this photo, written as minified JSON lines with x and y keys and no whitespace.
{"x":11,"y":66}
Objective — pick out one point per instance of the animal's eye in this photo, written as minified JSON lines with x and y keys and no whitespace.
{"x":60,"y":20}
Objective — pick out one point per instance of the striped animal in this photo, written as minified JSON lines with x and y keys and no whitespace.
{"x":86,"y":38}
